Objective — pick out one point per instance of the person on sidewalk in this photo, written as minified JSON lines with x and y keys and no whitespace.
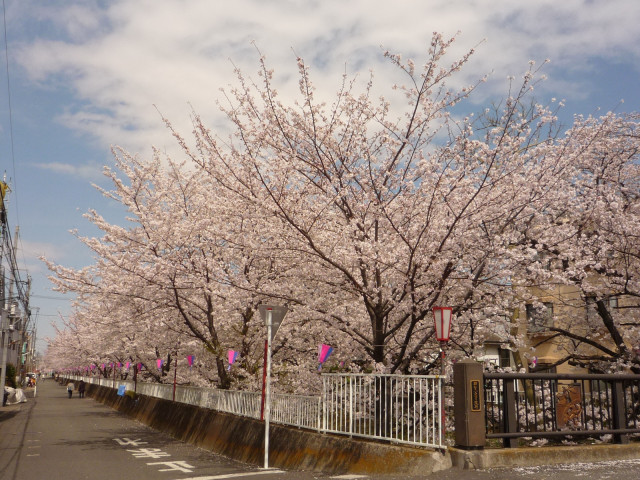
{"x":70,"y":387}
{"x":81,"y":387}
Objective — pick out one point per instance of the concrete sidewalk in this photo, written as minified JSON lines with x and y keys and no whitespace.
{"x":52,"y":436}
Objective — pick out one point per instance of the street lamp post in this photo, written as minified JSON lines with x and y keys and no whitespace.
{"x":272,"y":316}
{"x":442,"y":321}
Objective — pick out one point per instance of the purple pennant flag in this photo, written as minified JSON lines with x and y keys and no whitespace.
{"x":139,"y":366}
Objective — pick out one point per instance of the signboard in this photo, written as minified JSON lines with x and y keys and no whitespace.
{"x":475,"y":396}
{"x":277,"y":314}
{"x":569,"y":406}
{"x":121,"y":390}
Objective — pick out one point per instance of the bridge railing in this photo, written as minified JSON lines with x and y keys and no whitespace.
{"x":548,"y":405}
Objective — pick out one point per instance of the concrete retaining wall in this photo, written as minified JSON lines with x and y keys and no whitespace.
{"x":294,"y":449}
{"x":290,"y":448}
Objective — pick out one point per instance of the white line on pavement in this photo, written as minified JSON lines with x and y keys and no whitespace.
{"x":234,"y":475}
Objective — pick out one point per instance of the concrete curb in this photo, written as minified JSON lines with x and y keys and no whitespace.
{"x":536,"y":456}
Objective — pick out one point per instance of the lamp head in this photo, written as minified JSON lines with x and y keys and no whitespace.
{"x":442,"y":321}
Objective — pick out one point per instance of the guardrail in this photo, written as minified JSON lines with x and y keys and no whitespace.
{"x":399,"y":408}
{"x":558,"y":405}
{"x":402,"y":408}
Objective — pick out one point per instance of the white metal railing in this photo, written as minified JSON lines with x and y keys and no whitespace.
{"x":237,"y":402}
{"x":400,"y":408}
{"x":297,"y":410}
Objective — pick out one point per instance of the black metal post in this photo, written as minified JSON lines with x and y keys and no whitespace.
{"x":618,"y":411}
{"x":509,"y":413}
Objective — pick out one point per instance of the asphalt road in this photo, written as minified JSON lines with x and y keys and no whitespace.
{"x":54,"y":437}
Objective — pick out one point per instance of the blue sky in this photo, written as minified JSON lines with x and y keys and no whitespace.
{"x":86,"y":75}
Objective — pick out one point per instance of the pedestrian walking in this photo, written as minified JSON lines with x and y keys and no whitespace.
{"x":70,"y":387}
{"x":81,"y":387}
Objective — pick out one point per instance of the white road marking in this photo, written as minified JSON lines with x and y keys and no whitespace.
{"x":234,"y":475}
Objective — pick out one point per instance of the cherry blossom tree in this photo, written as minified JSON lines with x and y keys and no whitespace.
{"x":585,"y":238}
{"x":361,"y":216}
{"x":386,"y":215}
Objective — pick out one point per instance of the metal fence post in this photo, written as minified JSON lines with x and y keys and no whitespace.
{"x":350,"y":407}
{"x":618,"y":411}
{"x":509,"y":407}
{"x":323,"y":398}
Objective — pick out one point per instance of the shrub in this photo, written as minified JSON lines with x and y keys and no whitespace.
{"x":11,"y":376}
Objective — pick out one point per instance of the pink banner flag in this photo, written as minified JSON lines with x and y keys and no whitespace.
{"x":323,"y":353}
{"x":127,"y":365}
{"x":190,"y":360}
{"x":233,"y":355}
{"x":159,"y":362}
{"x":139,"y":366}
{"x":103,"y":366}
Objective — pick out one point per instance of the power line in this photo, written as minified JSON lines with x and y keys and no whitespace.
{"x":67,"y":299}
{"x":6,"y":56}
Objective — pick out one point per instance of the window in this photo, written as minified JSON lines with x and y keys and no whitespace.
{"x":611,"y":303}
{"x":539,"y":318}
{"x":505,"y":357}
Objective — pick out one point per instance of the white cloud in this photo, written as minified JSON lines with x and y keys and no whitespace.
{"x":86,"y":171}
{"x":123,"y":58}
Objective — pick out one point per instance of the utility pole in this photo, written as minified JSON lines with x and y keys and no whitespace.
{"x":4,"y":316}
{"x":5,"y":346}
